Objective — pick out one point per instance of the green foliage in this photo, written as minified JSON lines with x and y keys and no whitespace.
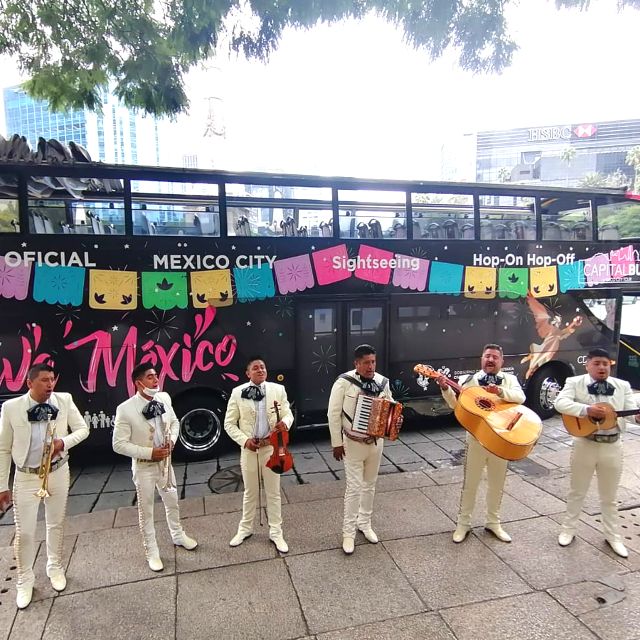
{"x":624,"y":215}
{"x":73,"y":49}
{"x":597,"y":180}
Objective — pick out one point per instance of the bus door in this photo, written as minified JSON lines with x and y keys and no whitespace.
{"x":327,"y":332}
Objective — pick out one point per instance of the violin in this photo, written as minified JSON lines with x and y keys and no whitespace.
{"x":281,"y":459}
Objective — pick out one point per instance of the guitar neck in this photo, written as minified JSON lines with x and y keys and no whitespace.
{"x":627,"y":412}
{"x":454,"y":385}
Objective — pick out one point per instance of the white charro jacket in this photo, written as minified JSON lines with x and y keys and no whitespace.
{"x":15,"y":430}
{"x":132,"y":435}
{"x":511,"y":389}
{"x":240,"y":419}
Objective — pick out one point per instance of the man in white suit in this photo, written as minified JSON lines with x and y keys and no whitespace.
{"x":146,"y":429}
{"x":249,"y":420}
{"x":601,"y":451}
{"x":23,"y":436}
{"x":361,"y":454}
{"x":507,"y":387}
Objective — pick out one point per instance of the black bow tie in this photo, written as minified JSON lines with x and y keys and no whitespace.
{"x":370,"y":386}
{"x":252,"y":392}
{"x":602,"y":388}
{"x":42,"y":412}
{"x":153,"y":410}
{"x":490,"y":378}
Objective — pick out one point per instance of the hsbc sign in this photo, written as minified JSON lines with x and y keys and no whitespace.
{"x":561,"y":132}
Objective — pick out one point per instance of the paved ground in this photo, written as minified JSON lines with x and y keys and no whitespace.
{"x":415,"y":584}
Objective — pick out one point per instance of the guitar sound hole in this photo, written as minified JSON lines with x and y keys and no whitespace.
{"x":484,"y":404}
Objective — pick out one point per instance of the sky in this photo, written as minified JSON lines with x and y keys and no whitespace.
{"x":354,"y":99}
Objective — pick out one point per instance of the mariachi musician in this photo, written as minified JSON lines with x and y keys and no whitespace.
{"x":506,"y":387}
{"x":601,"y":451}
{"x":361,"y":453}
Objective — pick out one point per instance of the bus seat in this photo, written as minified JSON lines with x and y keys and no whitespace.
{"x":551,"y":231}
{"x":302,"y":232}
{"x":609,"y":232}
{"x":518,"y":230}
{"x":326,"y":229}
{"x":502,"y":232}
{"x":48,"y":225}
{"x":581,"y":231}
{"x":243,"y":228}
{"x":347,"y":227}
{"x":451,"y":230}
{"x":16,"y":225}
{"x":38,"y":223}
{"x":467,"y":231}
{"x":363,"y":230}
{"x":399,"y":230}
{"x":375,"y":228}
{"x":100,"y":226}
{"x":417,"y":230}
{"x":486,"y":230}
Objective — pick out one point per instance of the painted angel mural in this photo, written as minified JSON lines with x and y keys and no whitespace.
{"x":549,"y":328}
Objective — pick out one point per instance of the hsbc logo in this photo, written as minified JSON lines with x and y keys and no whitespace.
{"x":585,"y":130}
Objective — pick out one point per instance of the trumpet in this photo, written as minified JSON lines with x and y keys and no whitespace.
{"x":167,"y":472}
{"x":45,"y":462}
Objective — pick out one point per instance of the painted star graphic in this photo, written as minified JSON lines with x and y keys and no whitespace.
{"x":126,"y":246}
{"x":233,"y":247}
{"x":248,"y":323}
{"x":114,"y":328}
{"x":23,"y":245}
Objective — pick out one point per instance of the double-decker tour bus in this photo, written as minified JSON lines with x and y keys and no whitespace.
{"x":104,"y":266}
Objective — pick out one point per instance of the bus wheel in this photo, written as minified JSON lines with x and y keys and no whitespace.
{"x":543,"y":389}
{"x":201,"y":425}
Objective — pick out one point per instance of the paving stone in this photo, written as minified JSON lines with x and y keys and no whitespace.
{"x":8,"y":577}
{"x":407,"y":480}
{"x":451,"y":445}
{"x":115,"y":500}
{"x":309,"y":463}
{"x":115,"y":556}
{"x":533,"y":497}
{"x":551,"y":565}
{"x":447,"y":497}
{"x":401,"y":454}
{"x":450,"y":475}
{"x":189,"y":508}
{"x":330,"y":461}
{"x":439,"y":571}
{"x":320,"y":530}
{"x":297,"y":448}
{"x":213,"y":534}
{"x":408,"y":437}
{"x":226,"y":502}
{"x":308,"y":493}
{"x":89,"y":483}
{"x":329,"y":603}
{"x":197,"y":490}
{"x":583,"y":597}
{"x":532,"y":616}
{"x":429,"y":450}
{"x":323,"y":445}
{"x":427,"y":626}
{"x":407,"y":513}
{"x":6,"y":535}
{"x":200,"y":472}
{"x":30,"y":623}
{"x":243,"y":606}
{"x":383,"y":469}
{"x":82,"y":522}
{"x":114,"y":612}
{"x":120,"y":481}
{"x":317,"y":478}
{"x":76,"y":504}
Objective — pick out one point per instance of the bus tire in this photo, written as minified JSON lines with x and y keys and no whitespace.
{"x":201,"y":414}
{"x":543,"y":388}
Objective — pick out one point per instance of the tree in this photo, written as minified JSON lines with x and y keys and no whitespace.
{"x":595,"y":180}
{"x":73,"y":49}
{"x":633,"y":160}
{"x":504,"y":175}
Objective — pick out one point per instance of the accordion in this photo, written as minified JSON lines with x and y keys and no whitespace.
{"x":377,"y":417}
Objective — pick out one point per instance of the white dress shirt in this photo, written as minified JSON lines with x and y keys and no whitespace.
{"x":38,"y":436}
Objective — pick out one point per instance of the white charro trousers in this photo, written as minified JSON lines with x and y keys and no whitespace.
{"x":476,"y":459}
{"x":253,"y":466}
{"x":148,"y":476}
{"x":361,"y":464}
{"x":25,"y":509}
{"x":605,"y":458}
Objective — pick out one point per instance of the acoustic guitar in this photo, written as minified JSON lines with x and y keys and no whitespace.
{"x":586,"y":425}
{"x":507,"y":429}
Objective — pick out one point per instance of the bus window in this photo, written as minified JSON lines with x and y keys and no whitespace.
{"x":95,"y":218}
{"x":9,"y":216}
{"x":507,"y":217}
{"x":566,"y":217}
{"x":618,"y":219}
{"x":176,"y":219}
{"x":442,"y":216}
{"x":372,"y":214}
